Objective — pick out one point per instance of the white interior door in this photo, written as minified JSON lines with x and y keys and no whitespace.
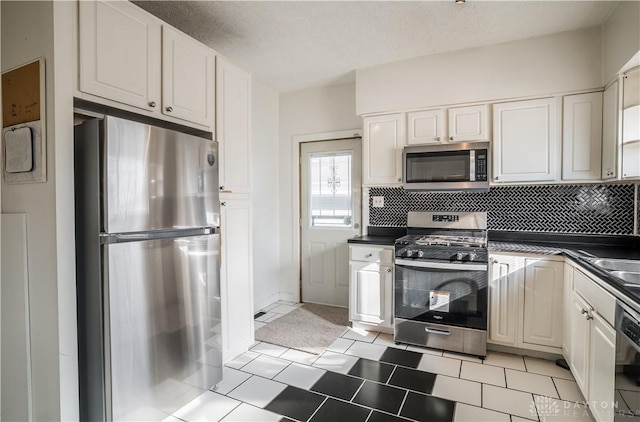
{"x":330,"y":214}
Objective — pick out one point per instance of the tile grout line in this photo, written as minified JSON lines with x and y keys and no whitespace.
{"x":393,"y":371}
{"x":357,"y":391}
{"x":403,"y":402}
{"x":316,"y":411}
{"x":229,"y":412}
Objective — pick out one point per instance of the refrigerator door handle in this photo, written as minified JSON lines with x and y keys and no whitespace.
{"x":108,"y":238}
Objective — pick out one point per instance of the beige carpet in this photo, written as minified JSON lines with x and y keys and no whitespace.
{"x":310,"y":328}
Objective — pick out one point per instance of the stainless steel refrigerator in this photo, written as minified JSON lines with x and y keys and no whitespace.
{"x":148,"y":268}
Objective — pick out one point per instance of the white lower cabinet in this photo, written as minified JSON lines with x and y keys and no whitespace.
{"x":371,"y":285}
{"x":543,"y":290}
{"x":592,"y":348}
{"x":236,"y":287}
{"x":525,"y":302}
{"x":504,"y":286}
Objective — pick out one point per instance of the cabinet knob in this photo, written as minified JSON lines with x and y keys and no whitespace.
{"x":224,"y":204}
{"x":400,"y":179}
{"x":169,"y":109}
{"x":368,"y":255}
{"x":437,"y":139}
{"x":451,"y":138}
{"x":494,"y":261}
{"x":496,"y":178}
{"x":152,"y":104}
{"x":584,"y":311}
{"x":221,"y":187}
{"x":588,"y":317}
{"x":388,"y":270}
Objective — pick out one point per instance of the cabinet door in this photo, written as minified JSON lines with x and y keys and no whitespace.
{"x":119,"y":53}
{"x":236,"y":277}
{"x":382,"y":150}
{"x":469,"y":123}
{"x":366,"y":292}
{"x":504,"y":281}
{"x":233,"y":126}
{"x":543,"y":290}
{"x":525,"y":142}
{"x":425,"y":127}
{"x":580,"y":342}
{"x":602,"y":369}
{"x":610,"y":132}
{"x":566,"y":312}
{"x":187,"y":78}
{"x":631,"y":124}
{"x":582,"y":137}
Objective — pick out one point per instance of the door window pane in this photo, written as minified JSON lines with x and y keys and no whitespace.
{"x":330,"y":187}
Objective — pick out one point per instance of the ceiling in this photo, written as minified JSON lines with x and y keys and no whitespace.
{"x":291,"y":45}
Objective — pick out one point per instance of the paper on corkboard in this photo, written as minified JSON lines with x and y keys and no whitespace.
{"x":21,"y":94}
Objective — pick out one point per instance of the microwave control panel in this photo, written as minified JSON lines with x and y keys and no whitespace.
{"x":481,"y":165}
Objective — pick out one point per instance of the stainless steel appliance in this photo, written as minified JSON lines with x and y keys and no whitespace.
{"x":441,"y":282}
{"x":462,"y":166}
{"x":148,"y":259}
{"x":627,"y":379}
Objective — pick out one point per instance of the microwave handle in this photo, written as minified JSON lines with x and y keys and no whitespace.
{"x":472,"y":165}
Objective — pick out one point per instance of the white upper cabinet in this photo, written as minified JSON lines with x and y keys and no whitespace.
{"x":610,"y":132}
{"x":187,"y":78}
{"x":470,"y":123}
{"x":128,"y":56}
{"x":119,"y":53}
{"x":233,"y":126}
{"x":425,"y":127}
{"x":525,"y":141}
{"x":582,"y":137}
{"x":382,"y":149}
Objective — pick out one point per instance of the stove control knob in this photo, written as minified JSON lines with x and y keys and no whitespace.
{"x":460,"y":256}
{"x":420,"y":254}
{"x":472,"y":256}
{"x":409,"y":253}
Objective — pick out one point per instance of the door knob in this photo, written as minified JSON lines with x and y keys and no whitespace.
{"x":356,"y":226}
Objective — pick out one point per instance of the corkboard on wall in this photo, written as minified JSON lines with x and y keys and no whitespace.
{"x":22,"y":94}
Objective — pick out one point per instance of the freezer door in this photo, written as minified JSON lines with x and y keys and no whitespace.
{"x":163,"y":326}
{"x":155,"y":178}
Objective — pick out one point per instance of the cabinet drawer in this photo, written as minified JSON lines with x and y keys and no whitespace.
{"x":596,"y":296}
{"x":371,"y":254}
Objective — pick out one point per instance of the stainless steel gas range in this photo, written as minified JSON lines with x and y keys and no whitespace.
{"x":441,"y":282}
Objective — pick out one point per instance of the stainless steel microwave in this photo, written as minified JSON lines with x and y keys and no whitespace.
{"x":446,"y":167}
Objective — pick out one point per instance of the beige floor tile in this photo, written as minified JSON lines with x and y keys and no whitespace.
{"x":568,"y":390}
{"x":553,"y":410}
{"x":532,"y":383}
{"x":508,"y":401}
{"x":505,"y":360}
{"x":458,"y":390}
{"x":466,"y":413}
{"x":483,"y":373}
{"x":547,"y":367}
{"x":440,"y":365}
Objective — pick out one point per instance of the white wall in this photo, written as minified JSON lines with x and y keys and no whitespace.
{"x":620,"y":38}
{"x":264,"y":195}
{"x":309,"y":111}
{"x":28,"y":33}
{"x":555,"y":63}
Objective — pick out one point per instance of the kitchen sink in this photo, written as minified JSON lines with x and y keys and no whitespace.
{"x":628,"y":277}
{"x":618,"y":265}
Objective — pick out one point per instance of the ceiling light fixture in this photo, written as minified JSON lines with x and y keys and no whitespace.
{"x":460,"y":1}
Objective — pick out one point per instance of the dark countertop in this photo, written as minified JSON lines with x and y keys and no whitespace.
{"x":582,"y":250}
{"x":385,"y":236}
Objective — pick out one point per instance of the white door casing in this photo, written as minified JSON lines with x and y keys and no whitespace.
{"x":323,"y":237}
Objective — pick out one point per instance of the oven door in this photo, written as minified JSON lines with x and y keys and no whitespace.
{"x":452,"y":293}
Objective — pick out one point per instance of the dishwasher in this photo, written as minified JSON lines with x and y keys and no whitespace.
{"x":627,"y":378}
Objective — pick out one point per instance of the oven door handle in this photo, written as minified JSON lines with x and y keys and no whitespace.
{"x":441,"y":265}
{"x":437,"y":331}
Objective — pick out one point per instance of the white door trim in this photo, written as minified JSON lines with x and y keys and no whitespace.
{"x":295,"y":190}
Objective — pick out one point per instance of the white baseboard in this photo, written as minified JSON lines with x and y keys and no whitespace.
{"x":264,"y":302}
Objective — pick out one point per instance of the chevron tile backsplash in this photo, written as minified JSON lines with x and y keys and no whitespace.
{"x":583,"y":209}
